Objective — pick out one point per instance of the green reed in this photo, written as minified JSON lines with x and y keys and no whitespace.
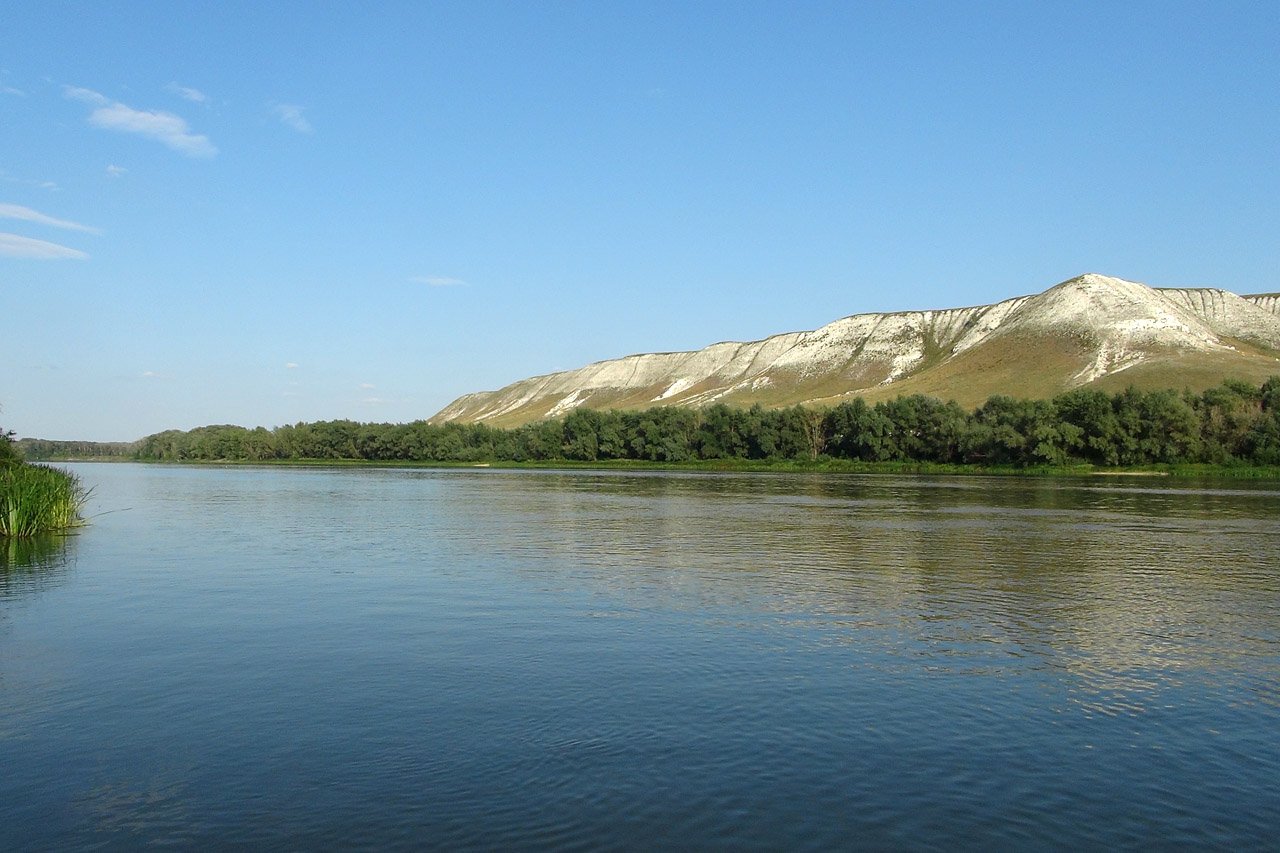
{"x":36,"y":499}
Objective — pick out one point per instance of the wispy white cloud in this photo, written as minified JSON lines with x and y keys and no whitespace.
{"x":88,"y":96}
{"x":9,"y":90}
{"x":367,"y":386}
{"x":380,"y":399}
{"x":291,"y":115}
{"x":116,"y":171}
{"x":187,"y":93}
{"x":155,"y":374}
{"x":166,"y":128}
{"x":43,"y":185}
{"x":291,"y":365}
{"x":16,"y":246}
{"x":437,"y":281}
{"x":26,"y":214}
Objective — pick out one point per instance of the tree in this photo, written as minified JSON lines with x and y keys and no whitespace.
{"x":1227,"y":415}
{"x":722,"y":433}
{"x":789,"y":426}
{"x":1162,"y":427}
{"x":761,"y":433}
{"x":610,"y":435}
{"x":1092,"y":413}
{"x":1019,"y":432}
{"x":8,"y":450}
{"x":1270,"y":394}
{"x":922,"y":429}
{"x":856,"y":431}
{"x":993,"y":436}
{"x":1262,"y":444}
{"x":582,"y":435}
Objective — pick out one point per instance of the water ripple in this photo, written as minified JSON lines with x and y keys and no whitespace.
{"x":580,"y":660}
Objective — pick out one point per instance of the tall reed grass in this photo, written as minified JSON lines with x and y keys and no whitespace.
{"x":36,"y":499}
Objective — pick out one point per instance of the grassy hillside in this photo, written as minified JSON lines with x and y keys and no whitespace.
{"x":1088,"y":332}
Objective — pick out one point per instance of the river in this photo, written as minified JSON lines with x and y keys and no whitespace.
{"x":480,"y":659}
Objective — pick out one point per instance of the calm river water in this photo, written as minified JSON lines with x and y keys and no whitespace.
{"x":379,"y":659}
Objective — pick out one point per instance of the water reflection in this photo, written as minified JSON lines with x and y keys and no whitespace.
{"x":530,"y":659}
{"x":1127,"y":589}
{"x":145,"y":807}
{"x":33,"y":564}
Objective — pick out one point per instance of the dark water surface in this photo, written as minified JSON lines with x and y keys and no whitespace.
{"x":377,"y":659}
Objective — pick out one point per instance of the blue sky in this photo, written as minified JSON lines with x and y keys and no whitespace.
{"x":266,"y":213}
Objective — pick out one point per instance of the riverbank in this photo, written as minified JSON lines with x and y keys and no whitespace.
{"x":820,"y":466}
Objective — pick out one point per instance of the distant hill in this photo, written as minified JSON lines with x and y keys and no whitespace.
{"x":1092,"y":330}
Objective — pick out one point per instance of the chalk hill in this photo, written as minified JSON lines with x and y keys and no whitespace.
{"x":1093,"y":330}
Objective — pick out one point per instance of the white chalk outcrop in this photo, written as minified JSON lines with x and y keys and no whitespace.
{"x":1113,"y":324}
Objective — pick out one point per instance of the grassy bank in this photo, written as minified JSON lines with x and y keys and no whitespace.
{"x":782,"y":466}
{"x":36,"y":499}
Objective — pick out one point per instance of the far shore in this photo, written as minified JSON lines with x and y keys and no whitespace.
{"x":820,"y":466}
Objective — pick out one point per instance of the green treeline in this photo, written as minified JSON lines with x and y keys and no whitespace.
{"x":1234,"y":423}
{"x":44,"y":448}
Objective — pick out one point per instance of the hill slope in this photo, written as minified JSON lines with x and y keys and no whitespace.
{"x":1091,"y":330}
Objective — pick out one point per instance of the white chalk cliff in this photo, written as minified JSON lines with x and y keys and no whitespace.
{"x":1085,"y":331}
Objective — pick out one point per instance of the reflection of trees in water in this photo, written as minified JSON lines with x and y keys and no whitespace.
{"x":33,"y":564}
{"x":1130,"y":588}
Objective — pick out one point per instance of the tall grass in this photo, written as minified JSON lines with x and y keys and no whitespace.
{"x":36,"y":499}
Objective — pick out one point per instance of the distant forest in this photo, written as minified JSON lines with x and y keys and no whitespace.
{"x":1234,"y":423}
